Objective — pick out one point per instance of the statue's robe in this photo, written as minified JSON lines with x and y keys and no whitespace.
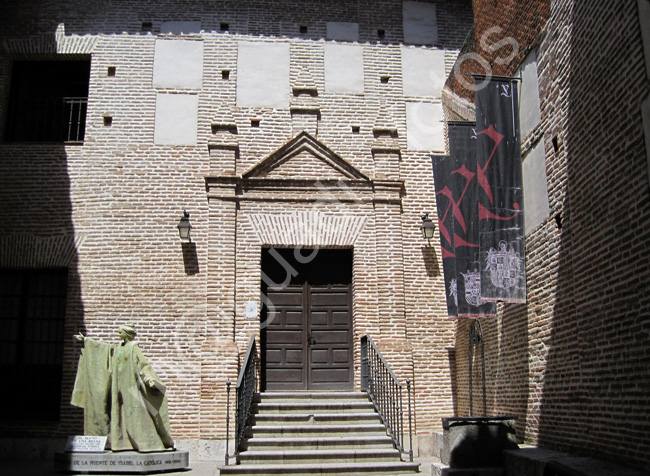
{"x":117,"y":403}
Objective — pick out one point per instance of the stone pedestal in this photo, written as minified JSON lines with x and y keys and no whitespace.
{"x":121,"y":462}
{"x":477,"y":442}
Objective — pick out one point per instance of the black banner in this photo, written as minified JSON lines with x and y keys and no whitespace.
{"x":500,"y":197}
{"x":455,"y":178}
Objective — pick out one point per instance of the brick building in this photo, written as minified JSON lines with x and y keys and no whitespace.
{"x":570,"y":364}
{"x":310,"y":125}
{"x":276,"y":126}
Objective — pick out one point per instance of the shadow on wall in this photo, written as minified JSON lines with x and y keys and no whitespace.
{"x":430,"y":261}
{"x":506,"y":367}
{"x":190,"y":259}
{"x":453,"y":374}
{"x":596,"y":377}
{"x":146,"y":19}
{"x":478,"y":444}
{"x":40,"y":263}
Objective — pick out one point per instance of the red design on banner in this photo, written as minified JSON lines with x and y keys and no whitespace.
{"x":480,"y":171}
{"x":484,"y":213}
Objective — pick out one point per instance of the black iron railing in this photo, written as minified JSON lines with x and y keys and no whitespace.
{"x":42,"y":119}
{"x":246,"y":389}
{"x":385,"y":391}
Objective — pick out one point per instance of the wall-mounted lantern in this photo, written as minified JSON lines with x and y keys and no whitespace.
{"x":184,"y":227}
{"x":428,"y":227}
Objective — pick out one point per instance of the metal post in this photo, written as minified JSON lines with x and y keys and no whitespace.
{"x":227,"y":420}
{"x":364,"y":363}
{"x":471,"y":357}
{"x":408,"y":391}
{"x":483,"y":374}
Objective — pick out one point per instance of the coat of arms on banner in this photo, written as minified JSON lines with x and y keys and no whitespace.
{"x":472,"y":287}
{"x":504,"y":266}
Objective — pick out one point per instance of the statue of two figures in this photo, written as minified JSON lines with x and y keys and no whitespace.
{"x":121,"y":395}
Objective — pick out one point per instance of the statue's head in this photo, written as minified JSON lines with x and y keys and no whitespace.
{"x":127,"y":333}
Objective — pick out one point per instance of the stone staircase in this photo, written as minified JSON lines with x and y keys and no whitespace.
{"x":312,"y":433}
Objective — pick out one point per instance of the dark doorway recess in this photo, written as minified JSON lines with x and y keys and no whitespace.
{"x":307,"y":325}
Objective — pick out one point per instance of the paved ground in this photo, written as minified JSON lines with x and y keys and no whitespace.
{"x":199,"y":468}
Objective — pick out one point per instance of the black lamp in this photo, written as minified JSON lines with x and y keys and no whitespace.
{"x":428,"y":227}
{"x":184,"y":227}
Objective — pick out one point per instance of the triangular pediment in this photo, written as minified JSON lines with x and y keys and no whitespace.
{"x":305,"y":157}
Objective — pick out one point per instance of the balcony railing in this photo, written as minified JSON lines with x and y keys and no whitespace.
{"x":46,"y":119}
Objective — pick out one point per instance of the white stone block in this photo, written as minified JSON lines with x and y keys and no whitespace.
{"x":420,"y":23}
{"x":424,"y":127}
{"x":263,"y":75}
{"x":178,"y":64}
{"x":180,"y":27}
{"x":536,"y":207}
{"x":423,"y":71}
{"x":343,"y":31}
{"x":344,"y":69}
{"x":529,"y":110}
{"x":176,"y":119}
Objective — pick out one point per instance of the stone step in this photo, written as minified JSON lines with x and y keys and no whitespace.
{"x":307,"y":397}
{"x":339,"y":469}
{"x":319,"y":456}
{"x":312,"y":408}
{"x":314,"y":419}
{"x":315,"y":443}
{"x":314,"y":431}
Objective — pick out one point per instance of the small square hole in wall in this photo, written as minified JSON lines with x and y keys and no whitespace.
{"x":556,"y":145}
{"x":224,"y":26}
{"x":303,"y":28}
{"x":147,"y":26}
{"x":381,"y":33}
{"x":385,"y":79}
{"x":255,"y":122}
{"x":108,"y":121}
{"x":225,"y":74}
{"x":111,"y":71}
{"x":356,"y":129}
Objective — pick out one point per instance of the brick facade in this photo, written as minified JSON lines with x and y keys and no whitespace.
{"x":569,"y":363}
{"x":107,"y":209}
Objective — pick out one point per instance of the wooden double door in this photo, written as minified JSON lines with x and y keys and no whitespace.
{"x":307,"y":321}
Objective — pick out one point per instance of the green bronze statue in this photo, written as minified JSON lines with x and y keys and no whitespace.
{"x":121,"y":395}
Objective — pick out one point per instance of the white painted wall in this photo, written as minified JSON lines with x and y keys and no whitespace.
{"x":180,"y":27}
{"x":536,"y":207}
{"x":343,"y":31}
{"x":529,"y":110}
{"x":178,"y":64}
{"x":263,"y":74}
{"x":343,"y":68}
{"x":424,"y":127}
{"x":176,"y":119}
{"x":423,"y":71}
{"x":420,"y":23}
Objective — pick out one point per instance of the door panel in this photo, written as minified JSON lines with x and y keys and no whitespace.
{"x":284,"y":340}
{"x":330,"y":337}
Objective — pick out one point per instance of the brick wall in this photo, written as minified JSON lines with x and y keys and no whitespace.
{"x":111,"y":205}
{"x":569,"y":364}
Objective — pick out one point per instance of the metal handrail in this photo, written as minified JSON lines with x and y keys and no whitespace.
{"x":385,"y":392}
{"x":245,"y":392}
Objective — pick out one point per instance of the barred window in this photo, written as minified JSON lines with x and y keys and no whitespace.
{"x":32,"y":316}
{"x":48,"y":101}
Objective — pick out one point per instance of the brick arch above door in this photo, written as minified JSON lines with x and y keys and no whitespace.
{"x":307,"y":228}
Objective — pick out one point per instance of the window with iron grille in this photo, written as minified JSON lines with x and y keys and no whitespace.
{"x":32,"y":316}
{"x":48,"y":101}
